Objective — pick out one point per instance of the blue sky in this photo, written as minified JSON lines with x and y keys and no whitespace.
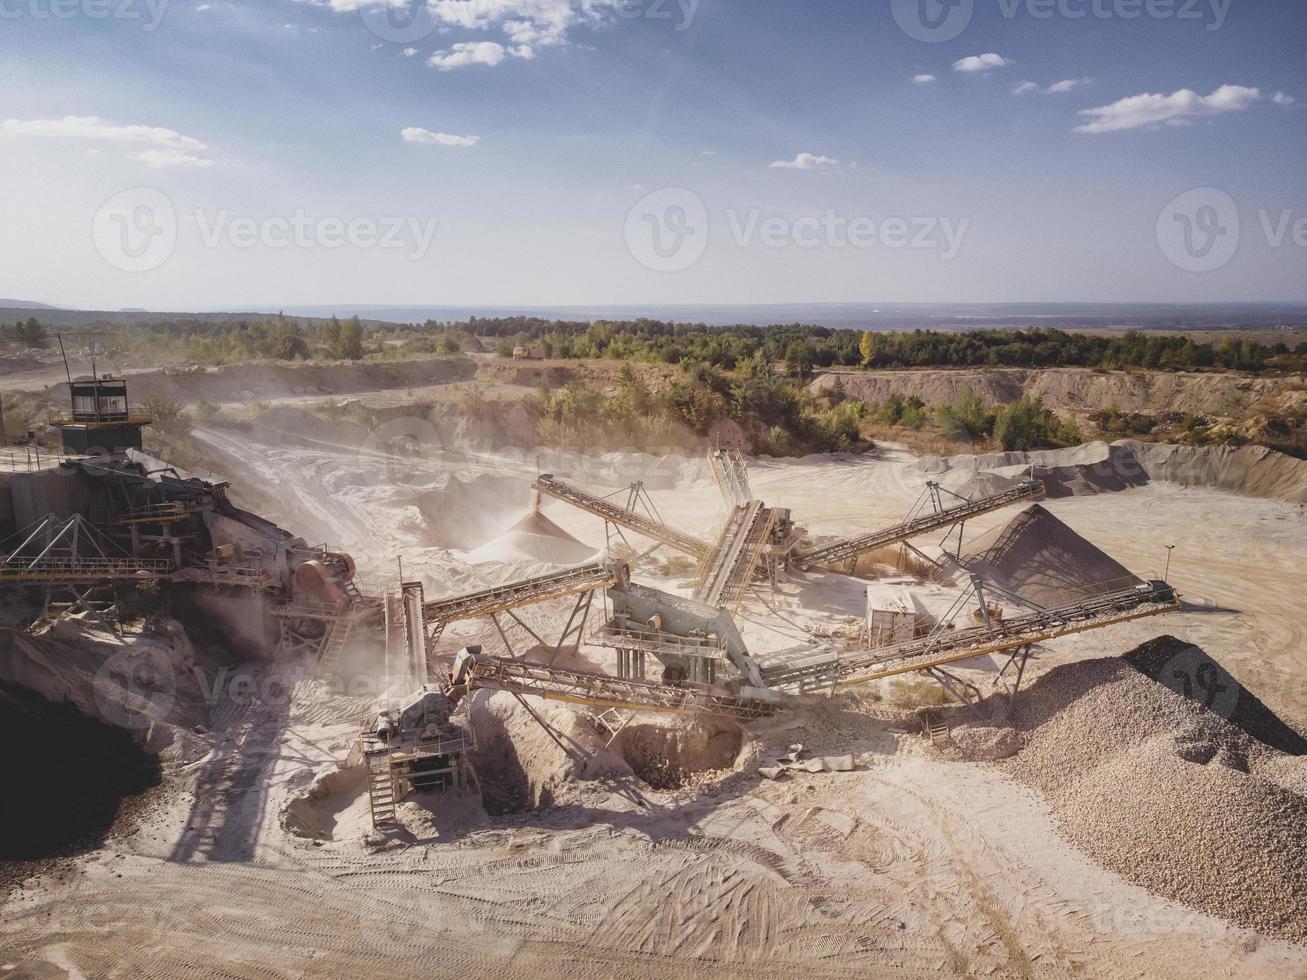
{"x":557,"y":152}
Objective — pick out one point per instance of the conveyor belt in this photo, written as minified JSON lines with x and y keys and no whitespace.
{"x":731,"y":474}
{"x":584,"y":578}
{"x":600,"y":690}
{"x":730,"y":569}
{"x":842,"y":550}
{"x":640,"y":524}
{"x":942,"y":648}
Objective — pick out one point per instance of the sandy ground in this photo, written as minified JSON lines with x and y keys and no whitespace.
{"x":909,"y":865}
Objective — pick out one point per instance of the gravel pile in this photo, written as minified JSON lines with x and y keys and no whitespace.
{"x":1039,"y":557}
{"x":1167,"y":793}
{"x":1188,"y":670}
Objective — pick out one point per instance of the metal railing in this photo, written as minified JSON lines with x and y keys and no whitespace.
{"x":647,"y":640}
{"x":18,"y":568}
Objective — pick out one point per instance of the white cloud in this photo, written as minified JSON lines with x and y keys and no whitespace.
{"x":923,"y":79}
{"x":1057,"y":88}
{"x":1066,"y":85}
{"x":416,"y":134}
{"x":163,"y":147}
{"x":526,"y":22}
{"x":1176,"y":109}
{"x":95,"y":128}
{"x":204,"y":6}
{"x":981,"y":62}
{"x":1279,"y":98}
{"x":807,"y":161}
{"x":160,"y":158}
{"x":466,"y":53}
{"x":410,"y":52}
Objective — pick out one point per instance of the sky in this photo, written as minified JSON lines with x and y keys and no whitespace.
{"x":209,"y":154}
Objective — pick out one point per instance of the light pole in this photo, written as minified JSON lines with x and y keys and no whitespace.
{"x":1166,"y":575}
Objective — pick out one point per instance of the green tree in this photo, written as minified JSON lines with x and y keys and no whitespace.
{"x":800,"y":358}
{"x":350,"y":345}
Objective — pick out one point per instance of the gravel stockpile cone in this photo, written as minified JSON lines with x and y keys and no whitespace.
{"x":1037,"y":556}
{"x":1168,"y":793}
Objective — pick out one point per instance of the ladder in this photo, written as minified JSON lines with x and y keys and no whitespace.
{"x":333,"y":644}
{"x":935,"y":727}
{"x":381,"y":789}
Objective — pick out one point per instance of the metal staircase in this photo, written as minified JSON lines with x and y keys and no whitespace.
{"x":381,"y":788}
{"x":334,"y":642}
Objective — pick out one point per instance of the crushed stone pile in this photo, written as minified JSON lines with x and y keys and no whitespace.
{"x":534,"y":538}
{"x":1038,"y":557}
{"x":1167,"y":793}
{"x":1189,"y":671}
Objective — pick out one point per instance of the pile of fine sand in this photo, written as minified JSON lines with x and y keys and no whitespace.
{"x":1097,"y":467}
{"x":534,"y":538}
{"x":1041,"y":559}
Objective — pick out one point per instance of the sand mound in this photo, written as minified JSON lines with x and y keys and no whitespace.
{"x":1097,"y":467}
{"x":333,"y":807}
{"x":1094,"y":467}
{"x":1252,"y":470}
{"x":1166,"y":793}
{"x":1041,"y":559}
{"x":534,"y":538}
{"x":464,"y":514}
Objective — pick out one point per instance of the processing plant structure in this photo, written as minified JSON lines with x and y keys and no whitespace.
{"x":84,"y":529}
